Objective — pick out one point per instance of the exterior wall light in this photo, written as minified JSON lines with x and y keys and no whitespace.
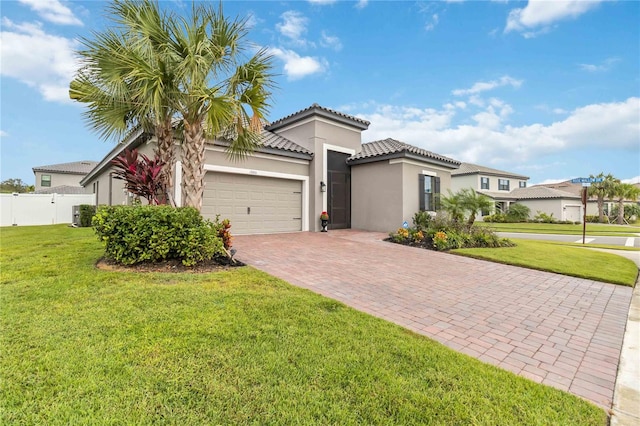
{"x":323,"y":187}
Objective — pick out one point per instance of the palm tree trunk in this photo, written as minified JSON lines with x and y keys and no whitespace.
{"x":600,"y":209}
{"x":193,"y":165}
{"x":621,"y":211}
{"x":165,"y":151}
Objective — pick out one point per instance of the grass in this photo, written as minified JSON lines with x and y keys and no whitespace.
{"x":595,"y":229}
{"x":589,"y":245}
{"x":562,"y":259}
{"x":86,"y":346}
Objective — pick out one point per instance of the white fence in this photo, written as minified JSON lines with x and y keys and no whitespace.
{"x":40,"y":209}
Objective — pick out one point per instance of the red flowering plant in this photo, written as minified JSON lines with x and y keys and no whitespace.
{"x":324,"y":216}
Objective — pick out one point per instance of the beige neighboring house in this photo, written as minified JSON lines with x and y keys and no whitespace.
{"x":309,"y":162}
{"x":62,"y":178}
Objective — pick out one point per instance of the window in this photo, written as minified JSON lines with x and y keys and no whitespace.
{"x":484,"y":183}
{"x":45,"y":180}
{"x":429,"y":193}
{"x":523,"y":184}
{"x":503,"y":184}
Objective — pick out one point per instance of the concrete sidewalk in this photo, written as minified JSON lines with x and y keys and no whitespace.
{"x":561,"y":331}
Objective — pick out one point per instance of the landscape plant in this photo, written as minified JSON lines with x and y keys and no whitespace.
{"x":86,"y":214}
{"x":136,"y":234}
{"x":602,"y":190}
{"x":518,"y":213}
{"x":142,"y":176}
{"x":622,"y":192}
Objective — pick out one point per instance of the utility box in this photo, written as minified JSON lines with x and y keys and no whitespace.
{"x":76,"y":215}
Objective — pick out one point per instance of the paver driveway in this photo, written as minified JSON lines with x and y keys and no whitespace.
{"x":562,"y":331}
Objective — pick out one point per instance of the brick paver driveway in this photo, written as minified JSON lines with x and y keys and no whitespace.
{"x":562,"y":331}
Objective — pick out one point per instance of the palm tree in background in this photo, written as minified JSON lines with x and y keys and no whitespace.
{"x":127,"y":79}
{"x":474,"y":203}
{"x":602,"y":190}
{"x":155,"y":69}
{"x":622,"y":192}
{"x":452,"y":204}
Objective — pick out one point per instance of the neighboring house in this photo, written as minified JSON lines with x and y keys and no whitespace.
{"x":309,"y":162}
{"x":62,"y":178}
{"x":494,"y":183}
{"x":561,"y":204}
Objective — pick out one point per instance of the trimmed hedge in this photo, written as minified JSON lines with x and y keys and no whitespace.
{"x":86,"y":214}
{"x":134,"y":234}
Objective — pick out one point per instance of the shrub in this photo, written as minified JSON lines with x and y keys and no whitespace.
{"x":495,"y":218}
{"x":518,"y":213}
{"x":592,"y":218}
{"x":544,"y":217}
{"x":86,"y":214}
{"x":134,"y":234}
{"x":421,"y":220}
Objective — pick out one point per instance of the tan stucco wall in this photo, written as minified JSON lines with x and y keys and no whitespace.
{"x":465,"y":181}
{"x":411,"y":190}
{"x":58,"y":179}
{"x":376,"y":196}
{"x":265,"y":162}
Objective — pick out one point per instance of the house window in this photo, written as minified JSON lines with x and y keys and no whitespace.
{"x":484,"y":183}
{"x":45,"y":180}
{"x":503,"y":184}
{"x":523,"y":184}
{"x":429,"y":193}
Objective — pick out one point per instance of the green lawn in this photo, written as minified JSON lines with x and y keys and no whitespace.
{"x":596,"y":229}
{"x":85,"y":346}
{"x":563,"y":259}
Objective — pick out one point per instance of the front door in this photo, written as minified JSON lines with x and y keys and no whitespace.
{"x":339,"y":191}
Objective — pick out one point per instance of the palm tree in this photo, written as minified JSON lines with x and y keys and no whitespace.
{"x":452,"y":204}
{"x":622,"y":192}
{"x":221,"y":95}
{"x":602,"y":190}
{"x":473,"y":202}
{"x":154,"y":68}
{"x":127,"y":80}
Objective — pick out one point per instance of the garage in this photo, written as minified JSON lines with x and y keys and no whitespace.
{"x":572,"y":213}
{"x":253,"y":204}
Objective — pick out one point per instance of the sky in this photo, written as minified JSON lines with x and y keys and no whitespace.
{"x":547,"y":89}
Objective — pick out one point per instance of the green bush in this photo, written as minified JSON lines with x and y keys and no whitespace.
{"x":592,"y":218}
{"x":134,"y":234}
{"x":518,"y":213}
{"x":421,"y":220}
{"x":495,"y":218}
{"x":543,"y":217}
{"x":86,"y":214}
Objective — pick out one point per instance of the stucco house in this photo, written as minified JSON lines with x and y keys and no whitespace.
{"x":62,"y":178}
{"x":309,"y":162}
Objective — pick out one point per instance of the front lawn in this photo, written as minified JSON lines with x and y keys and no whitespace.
{"x":86,"y":346}
{"x":595,"y":229}
{"x":562,"y":259}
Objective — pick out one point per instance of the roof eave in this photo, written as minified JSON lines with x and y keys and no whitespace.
{"x":319,"y":112}
{"x":402,"y":154}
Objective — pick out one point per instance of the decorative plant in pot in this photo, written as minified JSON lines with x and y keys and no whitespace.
{"x":324,"y":220}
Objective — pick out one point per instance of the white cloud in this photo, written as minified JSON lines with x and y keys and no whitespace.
{"x":539,"y":15}
{"x":53,"y":11}
{"x":296,"y":66}
{"x":293,"y":25}
{"x":483,"y":86}
{"x":604,"y":66}
{"x":486,"y":139}
{"x":3,"y":134}
{"x":332,"y":42}
{"x":44,"y":61}
{"x":361,"y":4}
{"x":635,"y":179}
{"x":429,"y":26}
{"x":322,"y":2}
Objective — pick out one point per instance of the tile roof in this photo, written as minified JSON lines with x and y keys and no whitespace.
{"x":62,"y":189}
{"x":540,"y":192}
{"x":469,"y":169}
{"x":272,"y":140}
{"x":391,"y":147}
{"x":76,"y":167}
{"x":319,"y":110}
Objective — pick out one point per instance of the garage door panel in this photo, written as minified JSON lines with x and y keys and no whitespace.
{"x":276,"y":204}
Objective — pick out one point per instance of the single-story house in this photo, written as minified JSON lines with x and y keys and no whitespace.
{"x":309,"y":162}
{"x":62,"y":178}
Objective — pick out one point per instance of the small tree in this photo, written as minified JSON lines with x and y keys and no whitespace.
{"x":474,"y":203}
{"x":142,"y":175}
{"x":15,"y":185}
{"x":602,"y":190}
{"x":518,"y":212}
{"x":622,"y":192}
{"x":452,"y":204}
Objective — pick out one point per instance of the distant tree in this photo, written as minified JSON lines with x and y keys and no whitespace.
{"x":602,"y":190}
{"x":15,"y":185}
{"x":518,"y":212}
{"x":474,"y":203}
{"x":622,"y":192}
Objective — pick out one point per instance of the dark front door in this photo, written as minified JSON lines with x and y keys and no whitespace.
{"x":339,"y":191}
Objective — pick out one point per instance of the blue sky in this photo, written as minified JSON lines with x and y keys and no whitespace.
{"x":548,"y":89}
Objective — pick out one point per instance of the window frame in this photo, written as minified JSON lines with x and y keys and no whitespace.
{"x":45,"y":183}
{"x":502,"y":186}
{"x":485,"y":180}
{"x":429,"y":201}
{"x":522,"y":184}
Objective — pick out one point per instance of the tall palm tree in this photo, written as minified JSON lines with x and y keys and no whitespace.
{"x":221,"y":94}
{"x":127,"y":78}
{"x":602,"y":190}
{"x":622,"y":192}
{"x":474,"y":203}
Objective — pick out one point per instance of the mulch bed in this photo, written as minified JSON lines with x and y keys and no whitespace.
{"x":172,"y":265}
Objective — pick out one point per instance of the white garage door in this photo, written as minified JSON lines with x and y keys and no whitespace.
{"x":253,"y":204}
{"x":572,"y":213}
